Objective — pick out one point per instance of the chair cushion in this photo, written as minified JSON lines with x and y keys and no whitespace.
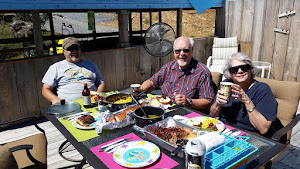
{"x":216,"y":68}
{"x":223,"y":53}
{"x":216,"y":77}
{"x":287,"y":94}
{"x":39,"y":150}
{"x":7,"y":160}
{"x":225,"y":42}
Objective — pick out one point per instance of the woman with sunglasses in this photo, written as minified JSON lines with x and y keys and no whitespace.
{"x":252,"y":105}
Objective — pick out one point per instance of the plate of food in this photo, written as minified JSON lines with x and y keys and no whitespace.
{"x":136,"y":154}
{"x":85,"y":122}
{"x":205,"y":123}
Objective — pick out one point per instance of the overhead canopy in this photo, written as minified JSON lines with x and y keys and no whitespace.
{"x":199,"y":5}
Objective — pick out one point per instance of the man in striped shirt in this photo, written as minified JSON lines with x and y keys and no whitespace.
{"x":184,"y":80}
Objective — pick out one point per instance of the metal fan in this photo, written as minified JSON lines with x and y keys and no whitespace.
{"x":159,"y":40}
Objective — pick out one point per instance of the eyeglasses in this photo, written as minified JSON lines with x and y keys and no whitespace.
{"x":244,"y":68}
{"x":177,"y":51}
{"x":71,"y":48}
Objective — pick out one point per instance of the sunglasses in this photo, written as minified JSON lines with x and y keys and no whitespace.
{"x":177,"y":51}
{"x":244,"y":68}
{"x":71,"y":48}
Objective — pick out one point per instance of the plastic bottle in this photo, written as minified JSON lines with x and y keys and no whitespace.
{"x":86,"y":94}
{"x":195,"y":154}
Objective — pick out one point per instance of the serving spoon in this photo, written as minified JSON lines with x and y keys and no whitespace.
{"x":140,"y":106}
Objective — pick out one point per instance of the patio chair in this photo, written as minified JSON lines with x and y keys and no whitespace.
{"x":29,"y":152}
{"x":222,"y":49}
{"x":216,"y":78}
{"x":287,"y":94}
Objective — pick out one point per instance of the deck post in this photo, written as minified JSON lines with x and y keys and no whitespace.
{"x":179,"y":22}
{"x":123,"y":17}
{"x":38,"y":37}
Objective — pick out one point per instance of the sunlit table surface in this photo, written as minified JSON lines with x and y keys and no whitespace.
{"x":267,"y":148}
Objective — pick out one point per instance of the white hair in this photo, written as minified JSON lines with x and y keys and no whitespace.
{"x":189,"y":38}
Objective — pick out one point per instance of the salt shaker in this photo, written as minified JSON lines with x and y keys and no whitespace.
{"x":194,"y":154}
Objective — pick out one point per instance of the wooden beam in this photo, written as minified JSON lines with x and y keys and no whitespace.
{"x":220,"y":22}
{"x":179,"y":22}
{"x":52,"y":32}
{"x":141,"y":22}
{"x":123,"y":16}
{"x":38,"y":37}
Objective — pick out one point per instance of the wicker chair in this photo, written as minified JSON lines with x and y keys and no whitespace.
{"x":29,"y":152}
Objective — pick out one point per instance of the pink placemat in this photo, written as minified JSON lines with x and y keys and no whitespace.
{"x":194,"y":114}
{"x":163,"y":162}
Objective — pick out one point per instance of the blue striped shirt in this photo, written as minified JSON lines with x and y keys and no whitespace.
{"x":195,"y":82}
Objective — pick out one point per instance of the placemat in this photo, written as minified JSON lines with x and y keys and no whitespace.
{"x":163,"y":162}
{"x":194,"y":114}
{"x":80,"y":135}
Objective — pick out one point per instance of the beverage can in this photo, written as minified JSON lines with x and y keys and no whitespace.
{"x":226,"y":88}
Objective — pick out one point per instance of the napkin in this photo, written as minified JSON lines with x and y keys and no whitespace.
{"x":211,"y":140}
{"x":163,"y":162}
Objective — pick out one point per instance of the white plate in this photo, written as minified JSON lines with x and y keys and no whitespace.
{"x":220,"y":125}
{"x":136,"y":154}
{"x":91,"y":126}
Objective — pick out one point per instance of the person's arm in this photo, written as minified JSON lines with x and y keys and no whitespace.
{"x":256,"y":118}
{"x":197,"y":104}
{"x":147,"y":85}
{"x":101,"y":88}
{"x":215,"y":109}
{"x":47,"y":92}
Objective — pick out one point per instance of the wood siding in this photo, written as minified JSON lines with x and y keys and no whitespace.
{"x":21,"y":84}
{"x":253,"y":22}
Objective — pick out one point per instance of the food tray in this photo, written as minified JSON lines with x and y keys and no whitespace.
{"x":168,"y":146}
{"x":232,"y":154}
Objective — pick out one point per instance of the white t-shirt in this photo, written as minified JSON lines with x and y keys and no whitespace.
{"x":70,"y":77}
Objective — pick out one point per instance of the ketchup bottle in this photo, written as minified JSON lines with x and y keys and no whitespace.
{"x":86,"y":94}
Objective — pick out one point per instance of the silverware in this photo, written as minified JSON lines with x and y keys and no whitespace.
{"x":113,"y":147}
{"x":229,"y":132}
{"x":114,"y":143}
{"x":235,"y":133}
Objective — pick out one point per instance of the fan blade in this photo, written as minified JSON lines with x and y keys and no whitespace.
{"x":164,"y":32}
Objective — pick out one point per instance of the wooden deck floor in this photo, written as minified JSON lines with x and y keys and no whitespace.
{"x":290,"y":159}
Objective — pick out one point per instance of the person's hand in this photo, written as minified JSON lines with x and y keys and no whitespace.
{"x":239,"y":93}
{"x":180,"y":99}
{"x":56,"y":100}
{"x":220,"y":98}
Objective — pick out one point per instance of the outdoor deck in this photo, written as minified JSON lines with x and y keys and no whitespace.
{"x":290,"y":159}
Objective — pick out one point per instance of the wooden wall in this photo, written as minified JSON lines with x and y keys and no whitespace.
{"x":21,"y":86}
{"x":253,"y":22}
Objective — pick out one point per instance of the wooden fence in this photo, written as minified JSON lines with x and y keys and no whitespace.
{"x":253,"y":22}
{"x":21,"y":84}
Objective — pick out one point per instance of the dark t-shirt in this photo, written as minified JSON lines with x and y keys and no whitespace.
{"x":262,"y":97}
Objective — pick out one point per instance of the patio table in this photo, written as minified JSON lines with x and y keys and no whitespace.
{"x":267,"y":148}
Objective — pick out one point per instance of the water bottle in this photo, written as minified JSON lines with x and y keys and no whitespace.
{"x":194,"y":154}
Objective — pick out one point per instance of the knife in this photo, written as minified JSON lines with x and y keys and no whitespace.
{"x":113,"y":143}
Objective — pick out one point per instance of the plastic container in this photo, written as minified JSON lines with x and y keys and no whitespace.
{"x":232,"y":154}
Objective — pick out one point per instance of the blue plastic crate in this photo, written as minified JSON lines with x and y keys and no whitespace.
{"x":232,"y":154}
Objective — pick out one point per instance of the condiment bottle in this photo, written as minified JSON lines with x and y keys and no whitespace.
{"x":195,"y":154}
{"x":86,"y":94}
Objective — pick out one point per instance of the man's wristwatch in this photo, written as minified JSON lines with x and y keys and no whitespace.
{"x":251,"y":109}
{"x":190,"y":102}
